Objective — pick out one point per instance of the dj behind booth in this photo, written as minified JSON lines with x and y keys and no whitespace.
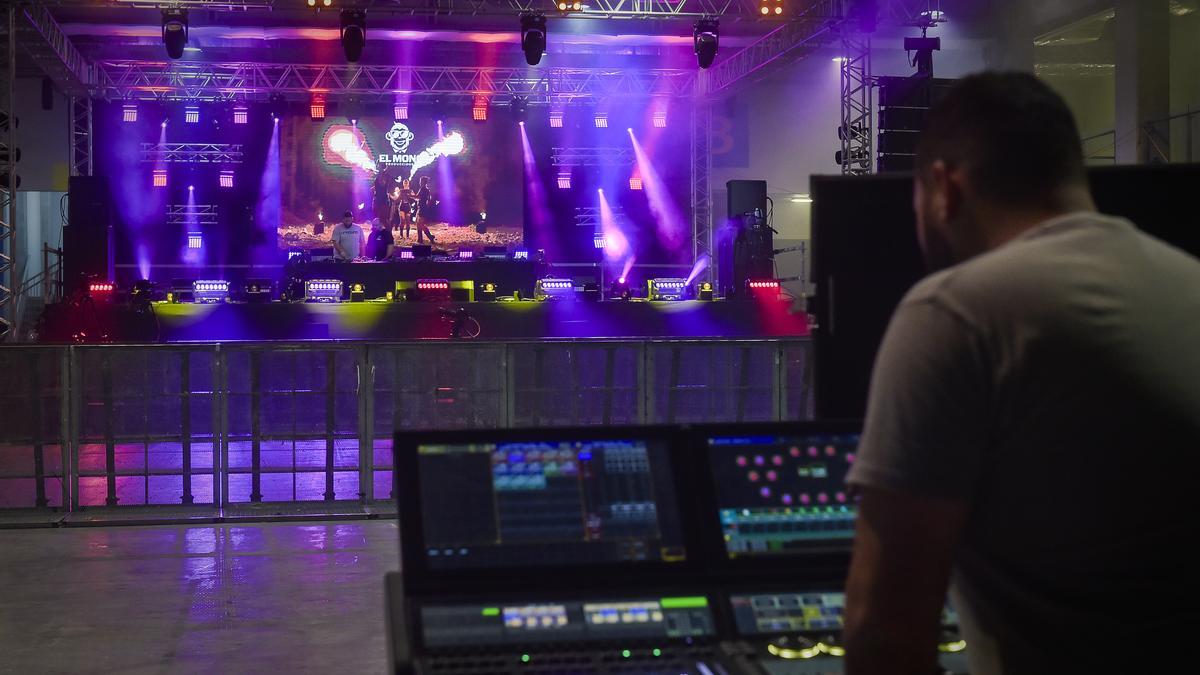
{"x":705,"y":551}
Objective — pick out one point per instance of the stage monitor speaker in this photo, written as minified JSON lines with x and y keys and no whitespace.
{"x":866,"y":256}
{"x":742,"y":197}
{"x":87,"y":237}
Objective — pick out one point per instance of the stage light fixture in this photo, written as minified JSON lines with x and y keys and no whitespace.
{"x":358,"y":292}
{"x":160,"y":178}
{"x":102,"y":288}
{"x":556,"y":119}
{"x":210,"y":291}
{"x":175,"y":31}
{"x":354,"y":33}
{"x":129,"y":112}
{"x":430,"y":290}
{"x":195,"y":241}
{"x":706,"y":36}
{"x":660,"y":119}
{"x":479,"y":110}
{"x":620,"y":289}
{"x":323,"y":290}
{"x":316,"y":108}
{"x":521,"y":254}
{"x":564,"y":180}
{"x":554,"y":289}
{"x":400,"y":112}
{"x":601,"y":120}
{"x":241,"y":115}
{"x":258,"y":290}
{"x":191,"y":115}
{"x":520,"y":109}
{"x":487,"y":292}
{"x":466,"y":254}
{"x":226,"y":179}
{"x":666,"y":288}
{"x":704,"y":292}
{"x":764,"y":289}
{"x":635,"y":182}
{"x":533,"y":37}
{"x":407,"y":254}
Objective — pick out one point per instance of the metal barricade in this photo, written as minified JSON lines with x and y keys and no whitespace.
{"x":247,"y":423}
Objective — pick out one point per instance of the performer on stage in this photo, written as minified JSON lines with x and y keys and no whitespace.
{"x":347,"y":238}
{"x":380,"y":189}
{"x":425,"y":204}
{"x":380,"y":244}
{"x":403,"y":208}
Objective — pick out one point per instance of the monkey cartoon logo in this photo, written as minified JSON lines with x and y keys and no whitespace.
{"x":399,"y":136}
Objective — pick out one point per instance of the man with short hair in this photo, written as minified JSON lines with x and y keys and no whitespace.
{"x":1033,"y":426}
{"x":380,"y":244}
{"x":347,"y":238}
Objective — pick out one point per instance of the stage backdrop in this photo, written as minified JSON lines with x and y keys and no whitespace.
{"x":330,"y":166}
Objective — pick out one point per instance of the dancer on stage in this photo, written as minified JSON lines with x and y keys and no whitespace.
{"x":403,"y":208}
{"x":380,"y":189}
{"x":425,"y":204}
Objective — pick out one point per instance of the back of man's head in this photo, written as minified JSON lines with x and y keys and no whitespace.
{"x":1015,"y":138}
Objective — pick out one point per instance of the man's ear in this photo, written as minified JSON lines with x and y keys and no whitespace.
{"x":952,"y":184}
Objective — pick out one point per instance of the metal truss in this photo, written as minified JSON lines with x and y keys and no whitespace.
{"x":81,"y":136}
{"x":856,"y":130}
{"x":615,"y":9}
{"x":192,"y":153}
{"x":157,"y":80}
{"x":601,"y":156}
{"x":9,"y":275}
{"x":589,"y":216}
{"x":203,"y":215}
{"x":814,"y":25}
{"x":52,"y":50}
{"x":702,"y":232}
{"x":910,"y":12}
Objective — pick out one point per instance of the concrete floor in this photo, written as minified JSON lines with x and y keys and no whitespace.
{"x":242,"y":598}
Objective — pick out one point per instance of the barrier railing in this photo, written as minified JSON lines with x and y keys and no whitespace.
{"x":230,"y":424}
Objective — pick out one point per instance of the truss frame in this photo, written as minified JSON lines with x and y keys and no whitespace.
{"x":201,"y":215}
{"x":592,"y":156}
{"x":192,"y":153}
{"x":159,"y":80}
{"x":857,"y":129}
{"x":701,"y":192}
{"x":9,"y":279}
{"x":81,"y":136}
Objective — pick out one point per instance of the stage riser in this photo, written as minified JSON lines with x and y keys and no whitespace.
{"x":376,"y":321}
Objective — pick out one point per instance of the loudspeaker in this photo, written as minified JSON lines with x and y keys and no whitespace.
{"x":742,"y":197}
{"x":88,"y":234}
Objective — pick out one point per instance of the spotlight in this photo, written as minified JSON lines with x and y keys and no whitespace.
{"x":129,"y":112}
{"x":160,"y":178}
{"x":164,"y":124}
{"x":620,"y":289}
{"x":705,"y":38}
{"x":312,"y":3}
{"x":533,"y":37}
{"x":327,"y":3}
{"x":705,"y":292}
{"x":316,"y":108}
{"x":479,"y":110}
{"x":175,"y":31}
{"x":520,"y":108}
{"x":191,"y":188}
{"x":191,"y":115}
{"x":354,"y":33}
{"x":400,"y":112}
{"x":556,"y":119}
{"x":241,"y":115}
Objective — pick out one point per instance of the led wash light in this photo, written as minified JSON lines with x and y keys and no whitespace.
{"x":241,"y":115}
{"x":160,"y":178}
{"x":129,"y":112}
{"x":323,"y":290}
{"x":666,"y":289}
{"x":210,"y":291}
{"x":554,"y":289}
{"x":191,"y":115}
{"x":226,"y":179}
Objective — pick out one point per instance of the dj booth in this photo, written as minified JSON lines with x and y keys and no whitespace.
{"x":710,"y":550}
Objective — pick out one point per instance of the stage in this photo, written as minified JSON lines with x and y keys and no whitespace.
{"x":399,"y":321}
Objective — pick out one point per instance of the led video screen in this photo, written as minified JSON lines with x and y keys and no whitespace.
{"x":471,"y":172}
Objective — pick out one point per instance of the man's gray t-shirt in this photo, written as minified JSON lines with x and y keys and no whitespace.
{"x":350,"y":239}
{"x":1054,"y":384}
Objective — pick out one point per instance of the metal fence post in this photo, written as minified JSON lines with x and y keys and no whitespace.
{"x":255,"y":426}
{"x":330,"y":421}
{"x":779,"y":384}
{"x":185,"y":403}
{"x":220,"y":430}
{"x":510,"y":393}
{"x":366,"y":424}
{"x":110,"y":448}
{"x":74,"y":417}
{"x":39,"y":462}
{"x":646,"y":401}
{"x":66,"y":394}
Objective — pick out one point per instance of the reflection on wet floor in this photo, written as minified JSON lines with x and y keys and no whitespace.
{"x":206,"y":598}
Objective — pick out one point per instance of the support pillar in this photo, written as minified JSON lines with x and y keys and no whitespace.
{"x":1142,"y":79}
